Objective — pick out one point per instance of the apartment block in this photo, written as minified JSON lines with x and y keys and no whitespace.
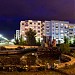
{"x":48,"y":30}
{"x":35,"y":25}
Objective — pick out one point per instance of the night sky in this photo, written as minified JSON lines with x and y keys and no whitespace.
{"x":13,"y":11}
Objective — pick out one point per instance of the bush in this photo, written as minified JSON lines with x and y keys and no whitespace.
{"x":65,"y":48}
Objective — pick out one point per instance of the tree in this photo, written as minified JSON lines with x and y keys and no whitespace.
{"x":66,"y":40}
{"x":74,"y":40}
{"x":16,"y":41}
{"x":21,"y":40}
{"x":65,"y":48}
{"x":38,"y":42}
{"x":30,"y":37}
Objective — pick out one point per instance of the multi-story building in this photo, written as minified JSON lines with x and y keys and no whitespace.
{"x":56,"y":30}
{"x":71,"y":32}
{"x":17,"y":34}
{"x":35,"y":25}
{"x":59,"y":29}
{"x":48,"y":30}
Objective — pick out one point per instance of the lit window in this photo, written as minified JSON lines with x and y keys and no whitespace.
{"x":56,"y":23}
{"x":61,"y":34}
{"x":62,"y":24}
{"x":56,"y":31}
{"x":23,"y":31}
{"x":61,"y":31}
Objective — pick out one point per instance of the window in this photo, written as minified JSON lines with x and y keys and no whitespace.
{"x":38,"y":23}
{"x":47,"y":27}
{"x":34,"y":23}
{"x":56,"y":23}
{"x":42,"y":28}
{"x":61,"y":31}
{"x":61,"y":34}
{"x":22,"y":31}
{"x":62,"y":38}
{"x":47,"y":30}
{"x":34,"y":30}
{"x":56,"y":26}
{"x":57,"y":38}
{"x":34,"y":26}
{"x":71,"y":29}
{"x":30,"y":22}
{"x":26,"y":24}
{"x":22,"y":23}
{"x":38,"y":31}
{"x":56,"y":33}
{"x":70,"y":33}
{"x":53,"y":33}
{"x":61,"y":24}
{"x":38,"y":27}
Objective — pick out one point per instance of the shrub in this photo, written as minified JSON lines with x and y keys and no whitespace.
{"x":65,"y":48}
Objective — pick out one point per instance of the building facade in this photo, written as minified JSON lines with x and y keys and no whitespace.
{"x":35,"y":25}
{"x":48,"y":30}
{"x":59,"y":29}
{"x":17,"y":34}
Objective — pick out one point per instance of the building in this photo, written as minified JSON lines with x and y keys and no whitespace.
{"x":71,"y":32}
{"x":48,"y":30}
{"x":17,"y":34}
{"x":59,"y":29}
{"x":35,"y":25}
{"x":55,"y":30}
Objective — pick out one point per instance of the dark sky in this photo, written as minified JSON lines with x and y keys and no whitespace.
{"x":13,"y":11}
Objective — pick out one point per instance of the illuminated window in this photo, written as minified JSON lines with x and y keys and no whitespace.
{"x":62,"y":24}
{"x":61,"y":31}
{"x":56,"y":31}
{"x":61,"y":34}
